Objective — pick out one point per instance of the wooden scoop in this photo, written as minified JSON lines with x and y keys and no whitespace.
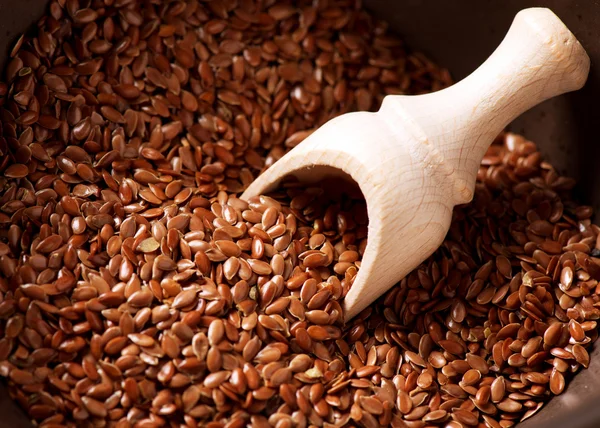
{"x":418,"y":156}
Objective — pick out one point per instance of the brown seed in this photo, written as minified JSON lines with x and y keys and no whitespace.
{"x":477,"y":363}
{"x":464,"y":417}
{"x":141,"y":339}
{"x":216,"y":330}
{"x":503,"y":266}
{"x":184,"y":298}
{"x":531,"y":347}
{"x":229,"y":248}
{"x":535,"y":377}
{"x":115,"y":345}
{"x":561,"y":353}
{"x":141,"y":298}
{"x":498,"y":389}
{"x":215,"y":379}
{"x":516,"y":360}
{"x":552,"y":334}
{"x":471,"y":377}
{"x":509,"y":330}
{"x":259,"y":267}
{"x":415,"y":358}
{"x":508,"y":405}
{"x":315,"y":260}
{"x":435,"y":416}
{"x":483,"y":395}
{"x":576,"y":331}
{"x":557,"y":382}
{"x":451,"y":346}
{"x":566,"y":277}
{"x":16,"y":171}
{"x":581,"y":355}
{"x":96,"y":408}
{"x":22,"y":377}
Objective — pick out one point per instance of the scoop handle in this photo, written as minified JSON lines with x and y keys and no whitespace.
{"x":538,"y":59}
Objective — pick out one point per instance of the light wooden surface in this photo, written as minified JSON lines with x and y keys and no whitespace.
{"x":417,"y":157}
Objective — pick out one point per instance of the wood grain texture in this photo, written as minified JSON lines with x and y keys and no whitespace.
{"x":417,"y":157}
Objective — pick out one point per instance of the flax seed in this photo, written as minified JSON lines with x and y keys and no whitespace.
{"x":156,"y":295}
